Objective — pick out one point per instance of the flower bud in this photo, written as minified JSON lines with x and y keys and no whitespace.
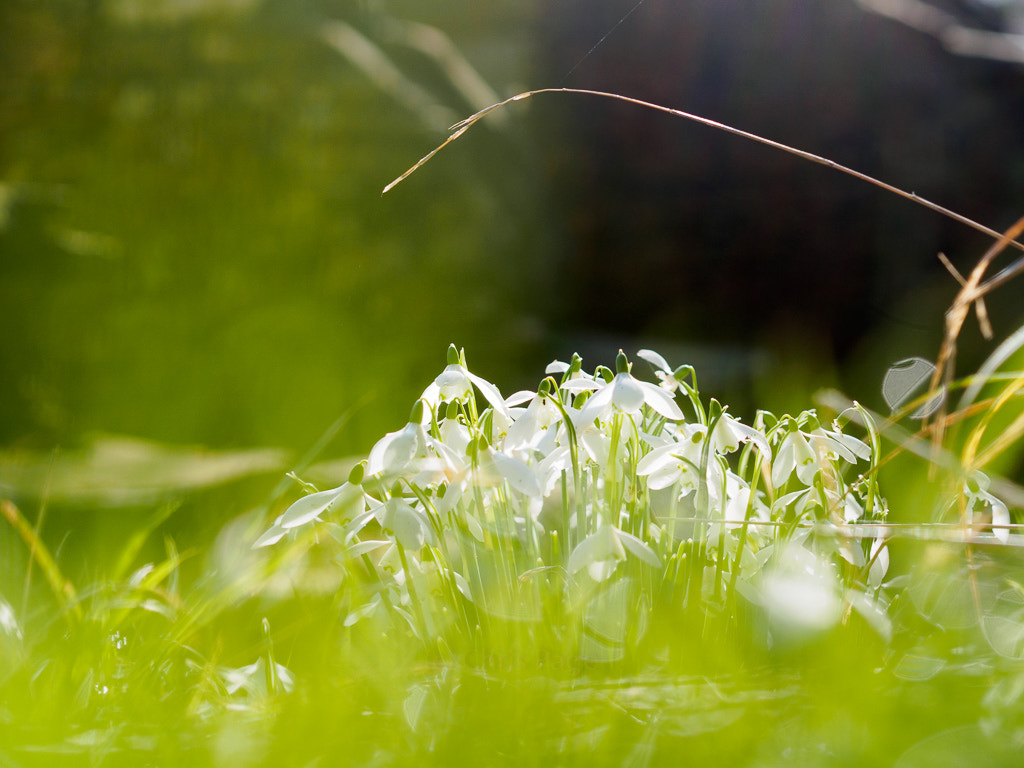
{"x":453,"y":355}
{"x":714,"y":410}
{"x":355,"y":476}
{"x":621,"y":363}
{"x":810,"y":421}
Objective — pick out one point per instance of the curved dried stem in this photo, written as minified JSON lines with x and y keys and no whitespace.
{"x":462,"y":126}
{"x":972,"y":291}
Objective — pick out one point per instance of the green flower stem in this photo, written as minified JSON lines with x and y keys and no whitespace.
{"x":731,"y":597}
{"x":563,"y":556}
{"x":635,"y":520}
{"x":876,"y":451}
{"x":611,"y":489}
{"x":269,"y":661}
{"x":417,"y":607}
{"x":574,"y":457}
{"x":703,"y":495}
{"x":721,"y":534}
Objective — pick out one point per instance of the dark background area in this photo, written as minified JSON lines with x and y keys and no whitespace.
{"x":693,"y":233}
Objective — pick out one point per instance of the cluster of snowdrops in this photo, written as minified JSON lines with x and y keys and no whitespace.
{"x":576,"y":508}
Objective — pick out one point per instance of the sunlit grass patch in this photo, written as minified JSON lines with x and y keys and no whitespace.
{"x":610,"y":564}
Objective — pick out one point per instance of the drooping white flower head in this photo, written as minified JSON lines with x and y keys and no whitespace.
{"x":807,"y":449}
{"x":347,"y":501}
{"x":626,"y":394}
{"x":456,"y":382}
{"x":536,"y":426}
{"x":670,"y":379}
{"x":978,"y":498}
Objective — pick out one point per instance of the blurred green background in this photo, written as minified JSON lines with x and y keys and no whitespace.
{"x":193,"y":243}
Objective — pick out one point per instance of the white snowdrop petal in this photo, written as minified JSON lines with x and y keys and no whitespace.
{"x":598,"y":547}
{"x":602,"y":570}
{"x":518,"y":398}
{"x":654,"y":359}
{"x":272,"y":535}
{"x":627,"y":393}
{"x":804,"y":459}
{"x":831,"y":447}
{"x":661,"y":401}
{"x":400,"y":450}
{"x":663,"y":478}
{"x":581,"y":385}
{"x":518,"y":474}
{"x":852,"y":447}
{"x":490,"y":393}
{"x":1000,"y":516}
{"x":407,"y":524}
{"x":452,"y":382}
{"x":639,"y":548}
{"x":879,"y":562}
{"x":597,"y":446}
{"x":556,"y":366}
{"x":310,"y":507}
{"x":523,"y":430}
{"x":658,"y":459}
{"x":431,"y":395}
{"x":730,"y":432}
{"x":785,"y":461}
{"x":593,"y":408}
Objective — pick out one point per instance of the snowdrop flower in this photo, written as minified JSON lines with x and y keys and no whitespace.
{"x":602,"y":551}
{"x":627,"y":394}
{"x":675,"y":462}
{"x":495,"y":467}
{"x":837,"y":445}
{"x":456,"y":382}
{"x":978,"y":499}
{"x":532,"y":428}
{"x":569,"y":371}
{"x":407,"y":523}
{"x":346,"y":500}
{"x":806,"y":452}
{"x":413,"y":454}
{"x":794,"y":454}
{"x":556,"y":366}
{"x":393,"y":453}
{"x":680,"y":460}
{"x":729,"y":433}
{"x":679,"y":464}
{"x":670,"y":379}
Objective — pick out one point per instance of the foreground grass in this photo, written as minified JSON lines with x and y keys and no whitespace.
{"x":383,"y":622}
